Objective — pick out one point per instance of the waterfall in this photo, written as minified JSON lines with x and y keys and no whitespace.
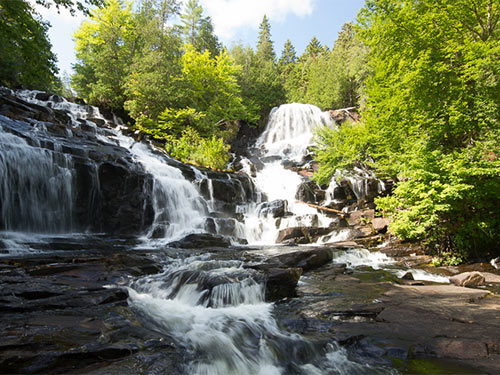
{"x":179,"y":207}
{"x":290,"y":130}
{"x":287,"y":138}
{"x":36,"y":186}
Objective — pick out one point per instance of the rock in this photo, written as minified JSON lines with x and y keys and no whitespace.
{"x":301,"y":235}
{"x":361,"y":217}
{"x":380,"y":224}
{"x":309,"y":192}
{"x":407,"y":276}
{"x":281,"y":283}
{"x":200,"y":240}
{"x":276,"y":208}
{"x":306,"y":259}
{"x":468,"y":279}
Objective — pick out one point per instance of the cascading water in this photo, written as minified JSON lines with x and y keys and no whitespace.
{"x":217,"y":310}
{"x":287,"y":137}
{"x":179,"y":207}
{"x":212,"y":306}
{"x":36,"y":186}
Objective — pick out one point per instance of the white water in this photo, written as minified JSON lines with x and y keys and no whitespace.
{"x":287,"y":137}
{"x":229,"y":327}
{"x":179,"y":207}
{"x":377,"y":260}
{"x":35,"y":186}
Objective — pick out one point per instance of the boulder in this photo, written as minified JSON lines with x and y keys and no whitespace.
{"x":361,"y":217}
{"x":276,"y":208}
{"x":200,"y":240}
{"x":281,"y":283}
{"x":407,"y":276}
{"x":301,"y":235}
{"x":306,"y":259}
{"x":468,"y":279}
{"x":309,"y":192}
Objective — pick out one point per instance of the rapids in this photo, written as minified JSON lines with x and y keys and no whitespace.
{"x":212,"y":303}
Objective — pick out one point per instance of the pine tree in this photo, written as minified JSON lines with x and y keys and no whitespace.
{"x":265,"y":50}
{"x":288,"y":56}
{"x":198,"y":30}
{"x":313,"y":49}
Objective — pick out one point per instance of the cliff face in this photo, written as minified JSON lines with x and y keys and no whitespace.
{"x":58,"y":177}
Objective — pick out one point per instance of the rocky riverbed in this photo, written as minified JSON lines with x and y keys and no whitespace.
{"x":69,"y":312}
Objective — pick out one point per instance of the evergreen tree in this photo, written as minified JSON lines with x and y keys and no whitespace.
{"x":313,"y":49}
{"x":265,"y":50}
{"x":288,"y":56}
{"x":198,"y":30}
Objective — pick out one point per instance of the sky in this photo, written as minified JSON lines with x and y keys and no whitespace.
{"x":235,"y":21}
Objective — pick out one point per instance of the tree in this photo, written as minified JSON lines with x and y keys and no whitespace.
{"x":198,"y":30}
{"x":105,"y":46}
{"x":265,"y":50}
{"x":72,"y":5}
{"x":152,"y":84}
{"x":313,"y":49}
{"x":288,"y":57}
{"x":432,"y":120}
{"x":26,"y":59}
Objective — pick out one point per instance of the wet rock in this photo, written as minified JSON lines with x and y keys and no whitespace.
{"x":361,"y":217}
{"x":281,"y":283}
{"x":468,"y":279}
{"x":276,"y":208}
{"x":200,"y":240}
{"x":309,"y":192}
{"x":408,"y":276}
{"x":306,"y":259}
{"x":301,"y":235}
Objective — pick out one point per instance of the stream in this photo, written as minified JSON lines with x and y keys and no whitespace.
{"x":88,"y":191}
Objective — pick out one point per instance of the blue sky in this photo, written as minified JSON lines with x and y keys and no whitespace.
{"x":237,"y":21}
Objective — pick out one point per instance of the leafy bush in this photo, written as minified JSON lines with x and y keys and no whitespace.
{"x":207,"y":152}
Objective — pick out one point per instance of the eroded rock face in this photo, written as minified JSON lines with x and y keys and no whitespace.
{"x":105,"y":190}
{"x":276,"y":208}
{"x":201,"y":240}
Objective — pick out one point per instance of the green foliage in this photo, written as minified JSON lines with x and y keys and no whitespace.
{"x":104,"y":49}
{"x":341,"y":148}
{"x":265,"y":49}
{"x":432,"y":121}
{"x":198,"y":30}
{"x":207,"y":152}
{"x":152,"y":83}
{"x":171,"y":122}
{"x":210,"y":86}
{"x":25,"y":56}
{"x":327,"y":79}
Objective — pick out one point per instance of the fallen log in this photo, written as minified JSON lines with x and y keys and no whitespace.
{"x":322,"y":208}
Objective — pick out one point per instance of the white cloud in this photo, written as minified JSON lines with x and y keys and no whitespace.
{"x":230,"y":15}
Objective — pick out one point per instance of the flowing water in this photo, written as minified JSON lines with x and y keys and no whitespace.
{"x":211,"y":304}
